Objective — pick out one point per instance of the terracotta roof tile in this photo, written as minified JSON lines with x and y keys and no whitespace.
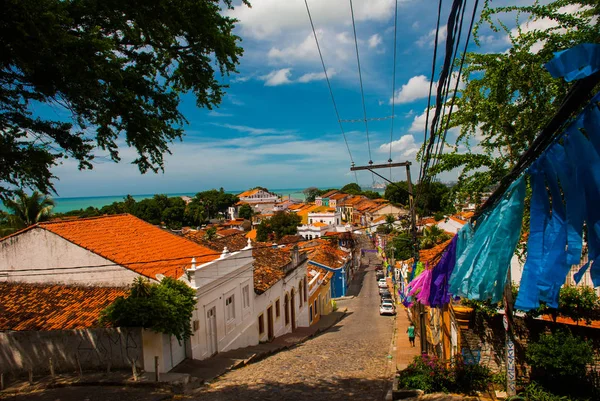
{"x":228,"y":231}
{"x":249,"y":192}
{"x":327,"y":255}
{"x":338,"y":196}
{"x":127,"y":240}
{"x":53,"y":307}
{"x":330,"y":193}
{"x":268,"y":267}
{"x":234,"y":242}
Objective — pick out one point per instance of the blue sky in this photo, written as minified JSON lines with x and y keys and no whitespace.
{"x":276,"y":126}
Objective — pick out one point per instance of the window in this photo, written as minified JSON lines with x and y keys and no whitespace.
{"x":316,"y":308}
{"x":286,"y":306}
{"x":229,"y":308}
{"x":310,"y":221}
{"x":261,"y":324}
{"x":300,"y":293}
{"x":310,"y":313}
{"x":246,"y":296}
{"x":277,"y":308}
{"x":305,"y":288}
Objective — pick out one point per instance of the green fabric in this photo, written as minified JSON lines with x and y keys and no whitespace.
{"x":411,"y":331}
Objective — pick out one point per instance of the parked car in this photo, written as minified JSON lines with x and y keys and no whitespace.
{"x":386,"y":299}
{"x":382,"y":283}
{"x":385,"y":294}
{"x":379,"y":275}
{"x":387,"y":308}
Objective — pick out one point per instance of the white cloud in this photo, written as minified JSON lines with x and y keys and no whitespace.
{"x":416,"y":88}
{"x":268,"y":18}
{"x":316,"y":76}
{"x":375,"y":41}
{"x":242,"y":79}
{"x":429,"y":38}
{"x":214,"y":113}
{"x":307,"y":49}
{"x":278,"y":77}
{"x":255,"y":131}
{"x":405,"y":146}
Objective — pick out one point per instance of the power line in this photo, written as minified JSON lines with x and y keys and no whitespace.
{"x":462,"y":62}
{"x":329,"y":86}
{"x":433,"y":62}
{"x":362,"y":92}
{"x":393,"y":84}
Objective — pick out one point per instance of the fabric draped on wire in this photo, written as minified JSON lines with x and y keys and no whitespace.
{"x":482,"y":266}
{"x":440,"y":276}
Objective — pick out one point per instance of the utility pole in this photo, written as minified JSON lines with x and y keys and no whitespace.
{"x":413,"y":229}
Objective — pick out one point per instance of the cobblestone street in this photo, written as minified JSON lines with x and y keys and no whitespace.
{"x":348,"y":361}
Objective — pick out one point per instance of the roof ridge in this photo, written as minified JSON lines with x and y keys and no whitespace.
{"x":86,"y":219}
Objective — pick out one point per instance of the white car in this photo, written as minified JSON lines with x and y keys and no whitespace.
{"x":382,"y":283}
{"x":387,"y":308}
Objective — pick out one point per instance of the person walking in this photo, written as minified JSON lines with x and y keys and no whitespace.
{"x":411,"y":334}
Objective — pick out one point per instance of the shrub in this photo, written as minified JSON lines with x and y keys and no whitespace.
{"x":535,"y":392}
{"x":559,"y":360}
{"x":431,"y":374}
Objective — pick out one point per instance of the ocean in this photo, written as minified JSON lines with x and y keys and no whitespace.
{"x":67,"y":204}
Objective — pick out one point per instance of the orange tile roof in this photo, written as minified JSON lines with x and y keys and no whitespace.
{"x":427,"y":220}
{"x":296,"y":206}
{"x":234,"y":242}
{"x":337,"y":196}
{"x":433,"y":255}
{"x":319,"y":224}
{"x":595,"y":324}
{"x":127,"y":241}
{"x":247,"y":193}
{"x":268,"y":267}
{"x":228,"y":231}
{"x":327,"y":255}
{"x":251,"y":234}
{"x":328,"y":194}
{"x":378,"y":219}
{"x":53,"y":307}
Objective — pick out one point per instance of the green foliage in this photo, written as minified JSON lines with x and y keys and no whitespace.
{"x":277,"y":226}
{"x":352,"y":189}
{"x":431,"y":375}
{"x":166,"y":308}
{"x":438,"y":216}
{"x":559,"y":358}
{"x":26,"y":210}
{"x":579,"y":303}
{"x":403,"y":246}
{"x":485,"y":308}
{"x":311,"y":193}
{"x":211,"y":234}
{"x":118,"y":68}
{"x":509,"y":96}
{"x":212,"y":203}
{"x":433,"y":236}
{"x":371,"y":194}
{"x":433,"y":197}
{"x":246,"y":211}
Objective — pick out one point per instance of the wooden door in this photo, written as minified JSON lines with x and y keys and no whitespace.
{"x":270,"y":333}
{"x":211,"y":328}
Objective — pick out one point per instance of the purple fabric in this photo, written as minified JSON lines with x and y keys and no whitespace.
{"x":440,"y":275}
{"x":420,"y":287}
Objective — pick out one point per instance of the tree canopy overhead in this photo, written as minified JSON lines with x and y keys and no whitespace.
{"x":508,"y":96}
{"x":117,"y":67}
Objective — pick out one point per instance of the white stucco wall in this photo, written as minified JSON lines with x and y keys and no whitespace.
{"x":39,"y":249}
{"x":278,"y":291}
{"x":325,"y":217}
{"x":214,"y":283}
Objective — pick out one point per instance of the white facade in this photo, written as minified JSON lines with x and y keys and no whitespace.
{"x":40,"y":249}
{"x":310,"y":231}
{"x":286,"y":293}
{"x":224,"y":318}
{"x":260,"y":196}
{"x":330,"y":218}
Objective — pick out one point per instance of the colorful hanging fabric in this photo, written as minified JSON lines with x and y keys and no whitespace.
{"x":440,"y":276}
{"x":420,"y":287}
{"x":575,"y":63}
{"x":481,"y":269}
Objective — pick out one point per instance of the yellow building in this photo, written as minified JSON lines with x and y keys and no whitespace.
{"x":319,"y":293}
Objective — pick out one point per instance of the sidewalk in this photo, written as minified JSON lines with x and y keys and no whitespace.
{"x":209,"y":369}
{"x":404,"y":352}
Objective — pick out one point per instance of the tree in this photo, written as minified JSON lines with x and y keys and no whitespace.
{"x":403,"y":246}
{"x":397,"y":193}
{"x":433,"y":236}
{"x":509,"y":96}
{"x":211,"y":234}
{"x":352,"y":189}
{"x":372,"y":194}
{"x":246,"y":211}
{"x":118,"y":68}
{"x":213,"y":202}
{"x":431,"y":197}
{"x":27,"y":210}
{"x":311,"y":193}
{"x":277,"y":226}
{"x":166,"y":308}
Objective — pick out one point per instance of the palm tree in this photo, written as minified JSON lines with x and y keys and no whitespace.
{"x":433,"y":236}
{"x":27,"y":210}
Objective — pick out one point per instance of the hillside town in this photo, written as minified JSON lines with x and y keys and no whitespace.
{"x":411,"y":209}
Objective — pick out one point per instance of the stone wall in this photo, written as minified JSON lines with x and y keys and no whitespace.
{"x":484,"y":341}
{"x":95,"y":349}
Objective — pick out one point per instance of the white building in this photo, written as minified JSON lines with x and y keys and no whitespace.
{"x":330,"y":217}
{"x":314,"y":230}
{"x":258,"y":195}
{"x":281,"y":300}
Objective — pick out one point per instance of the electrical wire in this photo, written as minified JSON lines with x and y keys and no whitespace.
{"x":362,"y":92}
{"x":393,"y":85}
{"x":337,"y":114}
